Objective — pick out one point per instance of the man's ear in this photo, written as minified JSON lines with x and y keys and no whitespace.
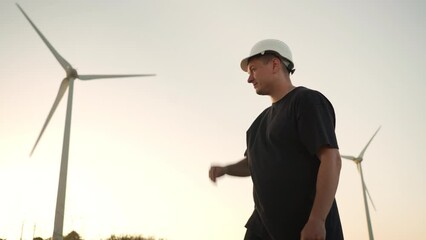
{"x":276,"y":65}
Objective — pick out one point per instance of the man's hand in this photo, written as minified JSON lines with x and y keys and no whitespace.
{"x":314,"y":230}
{"x":215,"y":172}
{"x":238,"y":169}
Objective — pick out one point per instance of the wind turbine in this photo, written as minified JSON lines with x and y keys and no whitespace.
{"x":358,"y":161}
{"x":67,"y":83}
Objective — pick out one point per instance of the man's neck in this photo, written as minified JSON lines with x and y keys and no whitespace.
{"x":282,"y":92}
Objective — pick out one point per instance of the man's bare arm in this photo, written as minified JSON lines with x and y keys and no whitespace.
{"x":327,"y":181}
{"x":239,"y":169}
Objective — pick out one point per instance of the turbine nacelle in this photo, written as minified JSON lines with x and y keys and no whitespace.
{"x":357,"y":160}
{"x":71,"y":73}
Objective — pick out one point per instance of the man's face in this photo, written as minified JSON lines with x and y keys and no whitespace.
{"x":260,"y":75}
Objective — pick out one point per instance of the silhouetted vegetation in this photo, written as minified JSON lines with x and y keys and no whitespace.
{"x":72,"y":236}
{"x":75,"y":236}
{"x":128,"y":237}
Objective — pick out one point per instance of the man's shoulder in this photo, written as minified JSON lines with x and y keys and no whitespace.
{"x":304,"y":93}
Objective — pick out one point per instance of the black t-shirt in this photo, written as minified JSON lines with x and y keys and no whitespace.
{"x":282,"y":144}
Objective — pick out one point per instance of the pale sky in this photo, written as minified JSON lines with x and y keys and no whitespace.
{"x":141,"y":148}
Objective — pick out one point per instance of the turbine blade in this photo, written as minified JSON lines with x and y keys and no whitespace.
{"x":58,"y":57}
{"x":91,"y":77}
{"x":361,"y":155}
{"x":348,"y":157}
{"x":61,"y":92}
{"x":358,"y":166}
{"x":369,"y":196}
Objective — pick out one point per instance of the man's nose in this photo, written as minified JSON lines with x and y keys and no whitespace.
{"x":250,"y":78}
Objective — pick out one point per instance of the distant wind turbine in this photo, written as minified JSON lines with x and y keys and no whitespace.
{"x":365,"y":192}
{"x":22,"y":230}
{"x":67,"y":82}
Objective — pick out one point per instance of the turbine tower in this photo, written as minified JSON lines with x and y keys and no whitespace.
{"x":358,"y":161}
{"x":67,"y":83}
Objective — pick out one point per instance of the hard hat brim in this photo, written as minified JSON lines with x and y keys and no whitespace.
{"x":244,"y":62}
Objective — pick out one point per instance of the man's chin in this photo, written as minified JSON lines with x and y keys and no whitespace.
{"x":259,"y":92}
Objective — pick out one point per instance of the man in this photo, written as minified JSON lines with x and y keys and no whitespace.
{"x":292,"y":154}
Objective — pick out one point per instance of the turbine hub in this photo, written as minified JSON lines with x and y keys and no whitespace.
{"x":71,"y":72}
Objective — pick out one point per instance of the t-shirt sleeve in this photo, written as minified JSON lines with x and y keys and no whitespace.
{"x":316,"y":121}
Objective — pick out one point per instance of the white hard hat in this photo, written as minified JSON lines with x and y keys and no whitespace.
{"x":273,"y":45}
